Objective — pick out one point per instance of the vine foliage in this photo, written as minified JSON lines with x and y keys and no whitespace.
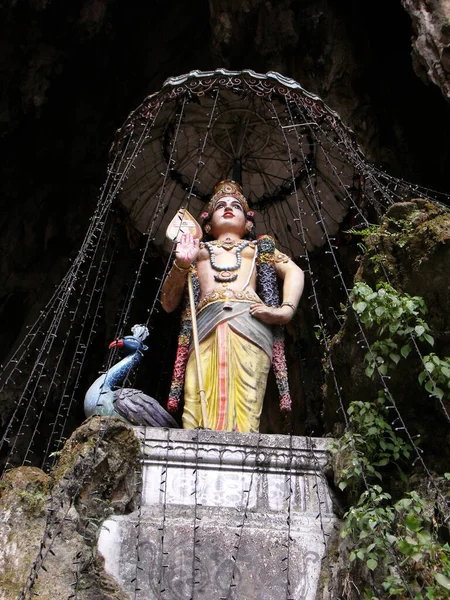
{"x":399,"y":541}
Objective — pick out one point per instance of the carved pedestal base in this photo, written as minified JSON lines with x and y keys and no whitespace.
{"x":223,"y":515}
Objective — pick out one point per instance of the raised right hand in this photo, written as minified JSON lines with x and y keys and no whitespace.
{"x":187,"y":250}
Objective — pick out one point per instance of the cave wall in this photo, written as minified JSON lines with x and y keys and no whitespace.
{"x":70,"y":74}
{"x":431,"y":41}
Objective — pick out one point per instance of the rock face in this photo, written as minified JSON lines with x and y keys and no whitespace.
{"x":411,"y":250}
{"x":58,"y":517}
{"x":431,"y":41}
{"x":413,"y":245}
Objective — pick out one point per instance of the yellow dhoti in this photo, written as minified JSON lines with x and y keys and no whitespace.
{"x":235,"y":351}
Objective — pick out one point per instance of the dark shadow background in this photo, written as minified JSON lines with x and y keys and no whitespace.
{"x":71,"y":72}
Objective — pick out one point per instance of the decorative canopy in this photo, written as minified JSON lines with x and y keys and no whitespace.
{"x":291,"y":153}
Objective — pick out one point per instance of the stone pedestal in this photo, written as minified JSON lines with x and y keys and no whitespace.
{"x":223,"y":516}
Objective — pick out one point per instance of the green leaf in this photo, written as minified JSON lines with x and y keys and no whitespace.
{"x":442,"y":580}
{"x":429,"y":386}
{"x":423,"y":375}
{"x":412,"y":541}
{"x":405,"y":350}
{"x":429,"y":366}
{"x":419,"y":329}
{"x":391,"y":539}
{"x":394,"y":357}
{"x":417,"y":556}
{"x":438,"y":393}
{"x":342,"y":485}
{"x":379,"y":310}
{"x":404,"y":547}
{"x":403,"y":503}
{"x":412,"y":523}
{"x":424,"y":537}
{"x":429,"y":339}
{"x":372,"y":564}
{"x":383,"y":369}
{"x":445,"y":371}
{"x":369,"y":371}
{"x":360,"y":307}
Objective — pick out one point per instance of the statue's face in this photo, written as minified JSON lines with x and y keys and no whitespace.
{"x":228,"y":215}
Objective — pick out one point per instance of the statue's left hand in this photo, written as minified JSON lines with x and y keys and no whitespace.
{"x":272,"y":315}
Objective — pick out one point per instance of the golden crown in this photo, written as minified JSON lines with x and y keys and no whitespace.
{"x":227,"y":187}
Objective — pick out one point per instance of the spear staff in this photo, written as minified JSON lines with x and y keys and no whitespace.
{"x":184,"y":222}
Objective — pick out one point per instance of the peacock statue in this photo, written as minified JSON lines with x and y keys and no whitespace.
{"x":107,"y":397}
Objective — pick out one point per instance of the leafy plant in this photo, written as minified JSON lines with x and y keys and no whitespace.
{"x":396,"y":319}
{"x":439,"y":383}
{"x":366,"y":523}
{"x":369,"y":444}
{"x":403,"y":539}
{"x":399,"y":538}
{"x":371,"y":229}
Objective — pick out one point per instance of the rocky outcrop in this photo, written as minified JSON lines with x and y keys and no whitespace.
{"x":413,"y":246}
{"x":410,"y":250}
{"x":58,"y":517}
{"x":431,"y":41}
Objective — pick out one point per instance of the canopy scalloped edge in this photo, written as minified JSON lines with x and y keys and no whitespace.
{"x":277,"y":77}
{"x":199,"y":82}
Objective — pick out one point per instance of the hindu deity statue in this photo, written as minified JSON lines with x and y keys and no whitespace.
{"x":239,"y":314}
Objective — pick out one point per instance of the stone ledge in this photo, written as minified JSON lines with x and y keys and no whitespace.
{"x":227,"y":449}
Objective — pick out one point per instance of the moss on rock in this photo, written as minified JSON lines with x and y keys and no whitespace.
{"x":412,"y":248}
{"x":95,"y":477}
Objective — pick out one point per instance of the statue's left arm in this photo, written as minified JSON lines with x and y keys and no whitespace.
{"x":293,"y":283}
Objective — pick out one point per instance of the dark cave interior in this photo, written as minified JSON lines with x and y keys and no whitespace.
{"x":72,"y":73}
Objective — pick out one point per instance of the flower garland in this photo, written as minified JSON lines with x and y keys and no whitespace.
{"x":267,"y":290}
{"x":182,"y":355}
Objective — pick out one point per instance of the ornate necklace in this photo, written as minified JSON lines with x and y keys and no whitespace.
{"x":225,"y":273}
{"x":226,"y":244}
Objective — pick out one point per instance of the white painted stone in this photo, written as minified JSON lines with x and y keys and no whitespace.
{"x":223,"y":515}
